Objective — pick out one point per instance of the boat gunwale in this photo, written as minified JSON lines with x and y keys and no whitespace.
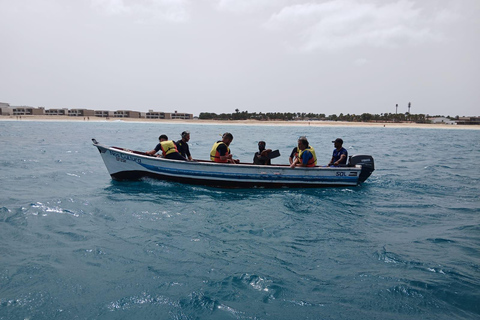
{"x":212,"y":163}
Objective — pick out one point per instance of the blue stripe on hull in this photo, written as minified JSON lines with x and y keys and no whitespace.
{"x":287,"y":179}
{"x":137,"y":175}
{"x":132,"y":167}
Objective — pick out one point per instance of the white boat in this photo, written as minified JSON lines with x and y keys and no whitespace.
{"x":124,"y":164}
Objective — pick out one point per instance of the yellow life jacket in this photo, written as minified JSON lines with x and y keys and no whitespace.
{"x":215,"y":155}
{"x":313,"y":161}
{"x":168,"y":147}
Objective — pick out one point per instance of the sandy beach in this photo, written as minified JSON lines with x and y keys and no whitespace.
{"x":244,"y":122}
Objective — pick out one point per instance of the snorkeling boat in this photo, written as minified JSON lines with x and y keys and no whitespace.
{"x":124,"y":164}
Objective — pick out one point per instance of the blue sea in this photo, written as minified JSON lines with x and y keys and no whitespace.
{"x":74,"y":244}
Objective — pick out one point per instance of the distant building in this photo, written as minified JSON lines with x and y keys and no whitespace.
{"x":468,"y":120}
{"x":5,"y":109}
{"x":157,"y":115}
{"x":103,"y":113}
{"x":126,"y":114}
{"x":56,"y":112}
{"x":441,"y":120}
{"x":184,"y":116}
{"x":81,"y":113}
{"x":27,"y":111}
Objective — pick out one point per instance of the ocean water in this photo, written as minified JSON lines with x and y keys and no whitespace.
{"x":76,"y":245}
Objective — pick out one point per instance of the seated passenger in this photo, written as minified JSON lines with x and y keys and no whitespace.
{"x":220,"y":150}
{"x":168,"y":147}
{"x":293,"y":155}
{"x":340,"y":154}
{"x":306,"y":154}
{"x":261,"y":156}
{"x":182,"y":145}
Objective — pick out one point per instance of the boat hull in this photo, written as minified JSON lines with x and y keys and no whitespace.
{"x":124,"y":164}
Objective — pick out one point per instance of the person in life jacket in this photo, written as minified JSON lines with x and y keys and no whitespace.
{"x":168,"y":148}
{"x":306,"y":154}
{"x":220,"y":150}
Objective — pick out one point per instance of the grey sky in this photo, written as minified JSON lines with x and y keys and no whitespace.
{"x":337,"y":56}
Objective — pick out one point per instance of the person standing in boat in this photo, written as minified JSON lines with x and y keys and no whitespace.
{"x":306,"y":154}
{"x":261,"y":156}
{"x":340,"y":154}
{"x":220,"y":150}
{"x":168,"y":147}
{"x":182,"y":145}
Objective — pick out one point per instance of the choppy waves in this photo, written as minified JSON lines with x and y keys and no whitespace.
{"x":75,"y":244}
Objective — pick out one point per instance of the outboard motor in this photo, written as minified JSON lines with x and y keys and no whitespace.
{"x":367,"y":165}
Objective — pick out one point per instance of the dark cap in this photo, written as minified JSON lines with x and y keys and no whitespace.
{"x":261,"y":142}
{"x":338,"y":140}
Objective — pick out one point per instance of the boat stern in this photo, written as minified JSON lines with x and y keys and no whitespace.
{"x":366,"y":162}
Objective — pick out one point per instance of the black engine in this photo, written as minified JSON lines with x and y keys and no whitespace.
{"x":367,"y":164}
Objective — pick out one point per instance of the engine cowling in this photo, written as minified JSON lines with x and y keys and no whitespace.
{"x":367,"y":163}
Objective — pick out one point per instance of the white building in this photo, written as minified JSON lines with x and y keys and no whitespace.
{"x":442,"y":120}
{"x":5,"y":109}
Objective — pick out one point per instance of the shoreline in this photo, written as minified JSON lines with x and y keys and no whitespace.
{"x":242,"y":122}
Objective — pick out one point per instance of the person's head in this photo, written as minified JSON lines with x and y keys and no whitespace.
{"x":227,"y":138}
{"x":302,"y":143}
{"x":163,"y":137}
{"x":261,"y":145}
{"x":186,"y":136}
{"x":338,"y":143}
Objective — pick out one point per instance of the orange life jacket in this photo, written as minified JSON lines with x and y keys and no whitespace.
{"x":215,"y":155}
{"x":168,"y":147}
{"x":313,"y":160}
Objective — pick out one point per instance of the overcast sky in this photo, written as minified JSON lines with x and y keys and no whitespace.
{"x":333,"y":56}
